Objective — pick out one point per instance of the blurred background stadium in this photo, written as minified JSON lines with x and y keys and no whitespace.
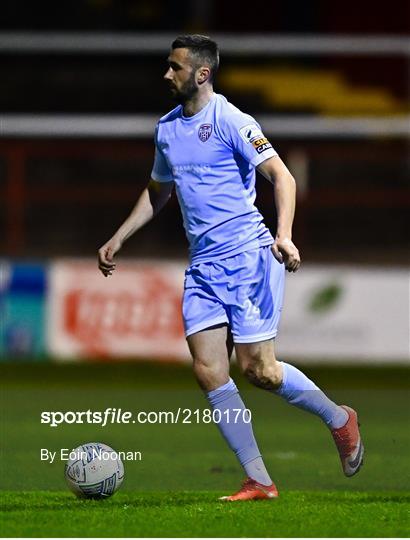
{"x":80,"y":95}
{"x":81,"y":92}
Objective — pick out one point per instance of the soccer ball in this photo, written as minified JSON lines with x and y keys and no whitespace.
{"x":94,"y":471}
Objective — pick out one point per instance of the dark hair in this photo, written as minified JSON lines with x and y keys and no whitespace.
{"x":202,"y":48}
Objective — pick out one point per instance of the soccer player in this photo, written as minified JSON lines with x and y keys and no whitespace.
{"x":208,"y":150}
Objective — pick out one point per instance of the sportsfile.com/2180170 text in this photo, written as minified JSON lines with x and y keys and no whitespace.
{"x":118,"y":416}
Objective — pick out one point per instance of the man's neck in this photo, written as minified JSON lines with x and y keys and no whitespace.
{"x":198,"y":102}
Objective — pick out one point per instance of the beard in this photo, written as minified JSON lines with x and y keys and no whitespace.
{"x":186,"y":92}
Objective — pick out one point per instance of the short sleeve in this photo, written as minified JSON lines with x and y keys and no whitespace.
{"x":246,"y":137}
{"x":160,"y":170}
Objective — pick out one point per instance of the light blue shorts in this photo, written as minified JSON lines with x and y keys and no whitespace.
{"x":245,"y":291}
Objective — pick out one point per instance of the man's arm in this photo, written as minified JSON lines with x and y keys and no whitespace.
{"x":150,"y":202}
{"x":284,"y":184}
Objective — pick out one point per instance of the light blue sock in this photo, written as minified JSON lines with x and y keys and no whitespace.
{"x":237,"y":432}
{"x":300,"y":391}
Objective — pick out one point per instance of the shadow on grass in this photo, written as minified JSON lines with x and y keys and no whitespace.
{"x":64,"y":501}
{"x":58,"y":502}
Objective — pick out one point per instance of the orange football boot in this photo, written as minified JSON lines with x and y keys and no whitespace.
{"x":252,"y":490}
{"x":349,"y":443}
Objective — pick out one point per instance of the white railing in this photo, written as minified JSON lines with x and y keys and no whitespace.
{"x":230,"y":44}
{"x":143,"y":125}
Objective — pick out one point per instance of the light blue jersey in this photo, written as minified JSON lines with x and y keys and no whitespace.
{"x":211,"y":157}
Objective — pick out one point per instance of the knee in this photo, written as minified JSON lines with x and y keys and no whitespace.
{"x":210,"y":375}
{"x":264,"y":374}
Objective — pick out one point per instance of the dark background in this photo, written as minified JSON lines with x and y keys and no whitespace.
{"x":66,"y":196}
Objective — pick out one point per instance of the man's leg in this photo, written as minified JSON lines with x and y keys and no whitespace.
{"x":209,"y":350}
{"x":259,"y":364}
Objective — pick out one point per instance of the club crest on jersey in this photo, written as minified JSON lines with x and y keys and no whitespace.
{"x":204,"y":132}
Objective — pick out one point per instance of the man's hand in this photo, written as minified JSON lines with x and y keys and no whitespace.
{"x":285,"y":251}
{"x":106,"y":254}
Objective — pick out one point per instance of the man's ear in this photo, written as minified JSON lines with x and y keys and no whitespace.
{"x":203,"y":74}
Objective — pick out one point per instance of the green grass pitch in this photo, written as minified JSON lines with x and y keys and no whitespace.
{"x":184,"y":468}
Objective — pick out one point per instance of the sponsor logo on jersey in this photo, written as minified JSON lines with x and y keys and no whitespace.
{"x":259,"y":141}
{"x":250,"y":132}
{"x":204,"y":132}
{"x":261,"y":144}
{"x":197,"y":169}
